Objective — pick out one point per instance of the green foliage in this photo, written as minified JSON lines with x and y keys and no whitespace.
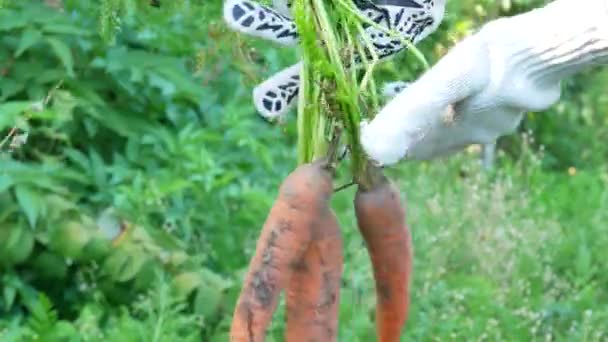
{"x":130,"y":207}
{"x":136,"y":127}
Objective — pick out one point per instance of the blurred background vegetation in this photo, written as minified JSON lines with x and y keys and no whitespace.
{"x":135,"y":177}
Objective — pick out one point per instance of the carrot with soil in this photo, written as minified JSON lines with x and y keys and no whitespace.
{"x":381,"y":221}
{"x":302,"y":201}
{"x":313,"y":293}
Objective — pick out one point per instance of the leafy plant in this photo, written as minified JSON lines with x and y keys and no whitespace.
{"x":100,"y":120}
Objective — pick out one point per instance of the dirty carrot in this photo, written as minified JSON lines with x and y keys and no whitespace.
{"x":312,"y":296}
{"x":302,"y":199}
{"x":381,"y":221}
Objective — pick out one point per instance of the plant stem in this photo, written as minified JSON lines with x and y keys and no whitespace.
{"x":8,"y":136}
{"x":330,"y":93}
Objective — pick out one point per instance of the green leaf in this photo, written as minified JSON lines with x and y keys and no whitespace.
{"x":50,"y":76}
{"x":10,"y":293}
{"x":166,"y":240}
{"x":43,"y":316}
{"x":62,"y":331}
{"x":50,"y":265}
{"x":29,"y":38}
{"x":62,"y":51}
{"x":98,"y":168}
{"x":19,"y":245}
{"x":70,"y":238}
{"x":166,"y":87}
{"x":132,"y":149}
{"x":10,"y":20}
{"x":9,"y":112}
{"x":7,"y":210}
{"x":29,"y":201}
{"x":124,"y":264}
{"x":78,"y":158}
{"x":186,"y":282}
{"x":14,"y":236}
{"x":66,"y":29}
{"x":63,"y":105}
{"x":9,"y":87}
{"x":6,"y":182}
{"x":39,"y":175}
{"x":208,"y":300}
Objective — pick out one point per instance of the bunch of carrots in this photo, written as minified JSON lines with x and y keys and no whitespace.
{"x":300,"y":251}
{"x":300,"y":248}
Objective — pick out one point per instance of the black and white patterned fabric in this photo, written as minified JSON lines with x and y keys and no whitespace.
{"x":413,"y":19}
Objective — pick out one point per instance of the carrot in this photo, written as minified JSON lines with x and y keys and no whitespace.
{"x":381,"y":221}
{"x":314,"y":288}
{"x":286,"y":235}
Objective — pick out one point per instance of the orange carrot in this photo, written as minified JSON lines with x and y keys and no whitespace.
{"x":381,"y":221}
{"x":314,"y":288}
{"x":287,"y":233}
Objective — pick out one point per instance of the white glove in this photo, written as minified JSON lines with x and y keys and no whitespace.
{"x":414,"y":19}
{"x":480,"y":90}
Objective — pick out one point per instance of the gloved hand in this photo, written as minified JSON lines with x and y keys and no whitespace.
{"x":480,"y":90}
{"x":414,"y":19}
